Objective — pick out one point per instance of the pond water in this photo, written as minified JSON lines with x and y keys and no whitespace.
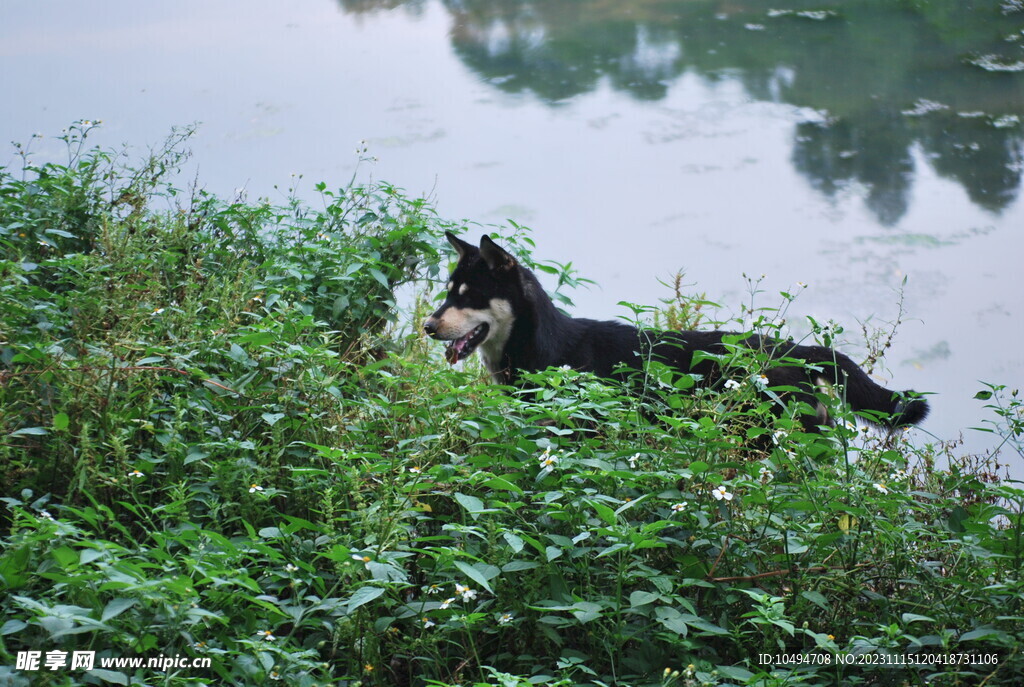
{"x":851,"y":146}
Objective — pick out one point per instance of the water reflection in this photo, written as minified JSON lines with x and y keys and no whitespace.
{"x":942,"y":78}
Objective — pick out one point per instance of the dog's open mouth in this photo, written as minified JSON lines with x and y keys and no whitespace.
{"x":463,"y":347}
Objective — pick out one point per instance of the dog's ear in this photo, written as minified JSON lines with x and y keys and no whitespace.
{"x":496,"y":257}
{"x":460,"y":246}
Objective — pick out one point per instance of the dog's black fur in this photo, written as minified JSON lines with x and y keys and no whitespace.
{"x":496,"y":304}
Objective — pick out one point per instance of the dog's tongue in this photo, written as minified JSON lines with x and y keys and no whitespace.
{"x":454,"y":350}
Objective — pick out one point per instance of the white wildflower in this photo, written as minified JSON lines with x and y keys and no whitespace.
{"x":547,"y":459}
{"x":720,"y":493}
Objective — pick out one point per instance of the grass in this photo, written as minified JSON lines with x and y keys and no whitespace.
{"x":219,"y":441}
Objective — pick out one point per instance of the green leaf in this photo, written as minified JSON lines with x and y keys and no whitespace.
{"x":65,"y":556}
{"x":258,"y":338}
{"x":109,"y":676}
{"x":502,"y":483}
{"x":386,"y":572}
{"x":672,"y":620}
{"x":617,"y":546}
{"x":816,"y":598}
{"x":701,"y":624}
{"x":272,"y":418}
{"x":472,"y":504}
{"x":740,"y":675}
{"x":585,"y":611}
{"x":794,"y":545}
{"x":379,"y":276}
{"x":630,"y":504}
{"x":516,"y":566}
{"x":914,"y":617}
{"x":34,"y":431}
{"x":981,"y":633}
{"x":478,"y":573}
{"x":12,"y":626}
{"x":61,"y":421}
{"x":515,"y":542}
{"x":640,"y":598}
{"x":957,"y":516}
{"x":116,"y":607}
{"x":238,"y":354}
{"x":363,"y":596}
{"x":604,"y":512}
{"x":195,"y":454}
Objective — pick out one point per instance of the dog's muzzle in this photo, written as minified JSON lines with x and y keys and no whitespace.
{"x":459,"y":348}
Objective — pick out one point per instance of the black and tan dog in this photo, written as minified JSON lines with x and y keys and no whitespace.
{"x":496,"y":305}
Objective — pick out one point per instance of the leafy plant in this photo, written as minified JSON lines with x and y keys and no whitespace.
{"x":220,"y":442}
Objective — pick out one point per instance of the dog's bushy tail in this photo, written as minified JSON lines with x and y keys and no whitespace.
{"x":884,"y":407}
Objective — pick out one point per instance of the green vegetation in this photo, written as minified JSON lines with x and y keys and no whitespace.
{"x":218,"y":441}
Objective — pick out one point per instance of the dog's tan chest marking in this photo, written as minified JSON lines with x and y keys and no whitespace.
{"x":491,"y":349}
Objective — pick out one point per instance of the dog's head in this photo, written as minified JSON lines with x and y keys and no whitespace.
{"x":478,"y":310}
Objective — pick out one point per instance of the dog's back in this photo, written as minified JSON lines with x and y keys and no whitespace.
{"x":498,"y":305}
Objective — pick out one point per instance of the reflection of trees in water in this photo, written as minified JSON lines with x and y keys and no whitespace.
{"x":832,"y":153}
{"x":557,"y":52}
{"x":987,"y":162}
{"x":371,"y":6}
{"x":868,"y":66}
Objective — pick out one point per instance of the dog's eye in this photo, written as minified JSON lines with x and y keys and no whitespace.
{"x":463,"y":288}
{"x":449,"y":286}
